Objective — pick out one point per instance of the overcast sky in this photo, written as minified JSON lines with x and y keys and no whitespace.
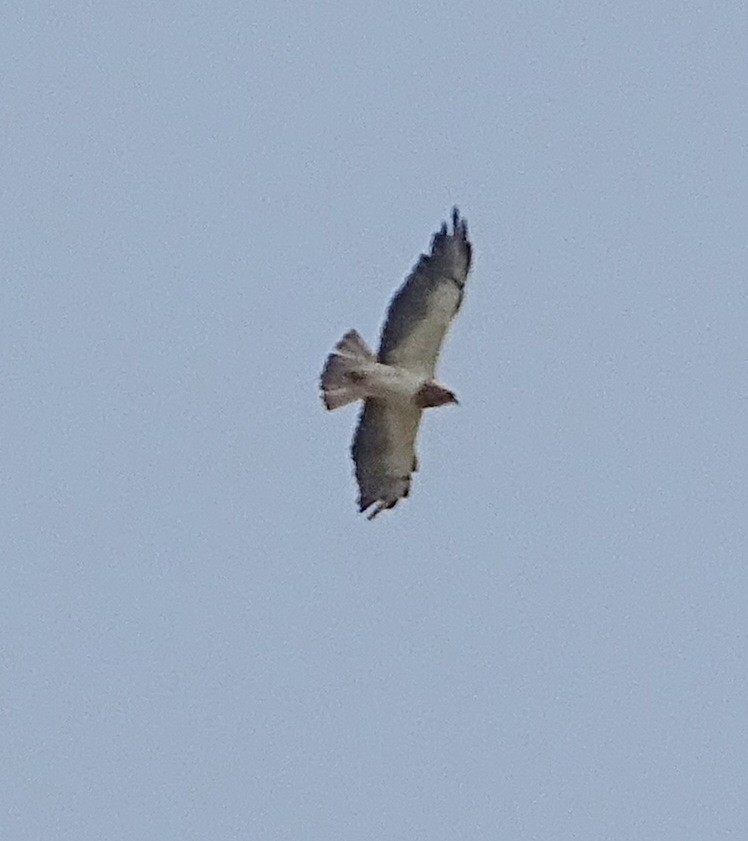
{"x":201,"y":638}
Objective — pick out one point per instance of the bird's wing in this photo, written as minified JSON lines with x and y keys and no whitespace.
{"x":384,"y":452}
{"x":424,"y":306}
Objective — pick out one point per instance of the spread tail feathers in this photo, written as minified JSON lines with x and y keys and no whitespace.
{"x":342,"y":374}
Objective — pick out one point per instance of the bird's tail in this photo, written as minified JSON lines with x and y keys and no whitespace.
{"x":344,"y":372}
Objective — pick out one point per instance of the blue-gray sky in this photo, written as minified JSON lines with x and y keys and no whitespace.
{"x":201,"y":639}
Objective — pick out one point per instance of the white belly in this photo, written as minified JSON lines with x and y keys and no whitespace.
{"x":391,"y":383}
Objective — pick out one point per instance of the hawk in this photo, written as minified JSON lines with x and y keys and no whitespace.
{"x":397,"y":383}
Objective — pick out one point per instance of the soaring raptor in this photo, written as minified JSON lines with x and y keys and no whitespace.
{"x":398,"y":383}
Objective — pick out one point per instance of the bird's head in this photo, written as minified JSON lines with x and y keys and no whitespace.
{"x":432,"y":394}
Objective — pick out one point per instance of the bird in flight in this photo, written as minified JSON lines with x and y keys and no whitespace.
{"x":397,"y":383}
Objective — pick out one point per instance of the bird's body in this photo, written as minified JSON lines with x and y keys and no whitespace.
{"x":398,"y":383}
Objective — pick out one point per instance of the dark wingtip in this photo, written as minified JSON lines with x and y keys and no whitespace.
{"x":459,"y":224}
